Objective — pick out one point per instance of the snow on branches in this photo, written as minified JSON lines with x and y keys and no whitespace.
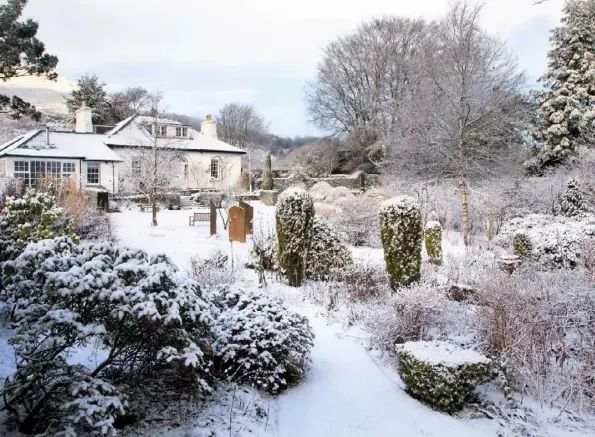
{"x":148,"y":321}
{"x":258,"y":340}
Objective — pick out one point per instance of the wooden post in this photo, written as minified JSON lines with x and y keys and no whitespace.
{"x":249,"y":216}
{"x":237,"y":224}
{"x":213,"y":218}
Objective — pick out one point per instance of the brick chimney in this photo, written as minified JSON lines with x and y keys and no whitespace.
{"x":84,"y":119}
{"x":209,"y":127}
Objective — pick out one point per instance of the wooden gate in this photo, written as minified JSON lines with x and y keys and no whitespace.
{"x":249,"y":216}
{"x":213,"y":218}
{"x":237,"y":224}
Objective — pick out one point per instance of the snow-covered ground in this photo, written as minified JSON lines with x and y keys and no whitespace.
{"x":348,"y":391}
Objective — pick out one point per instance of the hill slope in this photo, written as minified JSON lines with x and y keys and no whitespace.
{"x":48,"y":96}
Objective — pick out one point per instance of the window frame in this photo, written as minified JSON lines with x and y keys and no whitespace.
{"x":178,"y":131}
{"x":68,"y":173}
{"x":90,"y":166}
{"x":217,"y":162}
{"x":163,"y":130}
{"x":184,"y":131}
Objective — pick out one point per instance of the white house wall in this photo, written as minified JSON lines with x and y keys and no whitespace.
{"x":194,"y":174}
{"x":108,"y":176}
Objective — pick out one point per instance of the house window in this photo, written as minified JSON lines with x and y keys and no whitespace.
{"x":136,"y":168}
{"x":164,"y":131}
{"x":93,"y":173}
{"x":53,"y":167}
{"x":68,"y":169}
{"x":2,"y":169}
{"x":149,"y":128}
{"x":184,"y":131}
{"x":215,"y":168}
{"x":37,"y":171}
{"x":178,"y":131}
{"x":21,"y":170}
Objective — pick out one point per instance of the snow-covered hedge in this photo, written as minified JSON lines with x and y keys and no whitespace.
{"x":401,"y":233}
{"x":295,"y":216}
{"x":258,"y":340}
{"x":328,"y":255}
{"x":440,"y":373}
{"x":433,"y":241}
{"x":32,"y":218}
{"x":556,"y":241}
{"x":144,"y":318}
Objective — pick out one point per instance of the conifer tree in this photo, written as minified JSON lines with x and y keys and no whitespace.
{"x":267,"y":177}
{"x":567,"y":112}
{"x":91,"y":91}
{"x":572,"y":202}
{"x":21,"y":54}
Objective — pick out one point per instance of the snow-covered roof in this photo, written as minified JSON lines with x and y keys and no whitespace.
{"x":96,"y":147}
{"x":132,"y":133}
{"x":90,"y":147}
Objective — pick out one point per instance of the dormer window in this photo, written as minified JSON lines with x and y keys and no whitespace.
{"x":181,"y":131}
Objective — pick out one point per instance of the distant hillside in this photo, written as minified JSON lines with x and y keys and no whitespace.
{"x":47,"y":95}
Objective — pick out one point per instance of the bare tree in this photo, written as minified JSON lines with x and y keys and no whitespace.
{"x":318,"y":159}
{"x":153,"y":165}
{"x":131,"y":101}
{"x":365,"y":78}
{"x":241,"y":126}
{"x":465,"y":116}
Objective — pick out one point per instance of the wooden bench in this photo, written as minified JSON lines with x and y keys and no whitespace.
{"x":147,"y":208}
{"x":199,"y":217}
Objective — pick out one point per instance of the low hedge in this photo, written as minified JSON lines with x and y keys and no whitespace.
{"x":441,"y":374}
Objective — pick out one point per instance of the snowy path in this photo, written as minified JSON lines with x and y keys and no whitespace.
{"x":346,"y":394}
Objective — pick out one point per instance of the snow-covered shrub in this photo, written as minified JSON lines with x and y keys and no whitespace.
{"x":32,"y":218}
{"x":328,"y":255}
{"x":363,"y":281}
{"x":521,"y":245}
{"x":572,"y":201}
{"x":539,"y":323}
{"x":433,"y":239}
{"x":337,"y":194}
{"x":401,"y":234}
{"x":146,"y":321}
{"x":11,"y":187}
{"x":212,"y":271}
{"x":320,"y":191}
{"x":556,"y":240}
{"x":440,"y":373}
{"x":358,"y":221}
{"x":258,"y":341}
{"x":419,"y":312}
{"x":295,"y":217}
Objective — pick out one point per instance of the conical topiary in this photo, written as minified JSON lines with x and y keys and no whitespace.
{"x":434,"y":239}
{"x":267,"y":176}
{"x":572,"y":202}
{"x":401,"y":234}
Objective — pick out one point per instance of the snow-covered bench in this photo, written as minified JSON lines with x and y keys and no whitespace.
{"x":199,"y":217}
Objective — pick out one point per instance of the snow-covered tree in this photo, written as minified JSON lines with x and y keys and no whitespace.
{"x":401,"y":232}
{"x":572,"y":201}
{"x":258,"y":340}
{"x":567,"y":112}
{"x":32,"y":218}
{"x":328,"y":255}
{"x":147,"y":321}
{"x":267,"y":176}
{"x":295,"y":218}
{"x":522,"y":246}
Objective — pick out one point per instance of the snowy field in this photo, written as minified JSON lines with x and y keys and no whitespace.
{"x":349,"y":390}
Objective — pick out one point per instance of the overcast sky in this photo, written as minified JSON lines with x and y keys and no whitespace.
{"x":202,"y":54}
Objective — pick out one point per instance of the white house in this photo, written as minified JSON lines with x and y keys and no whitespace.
{"x":104,"y":160}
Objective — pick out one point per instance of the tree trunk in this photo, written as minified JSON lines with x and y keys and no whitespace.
{"x":154,"y":210}
{"x":465,"y":208}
